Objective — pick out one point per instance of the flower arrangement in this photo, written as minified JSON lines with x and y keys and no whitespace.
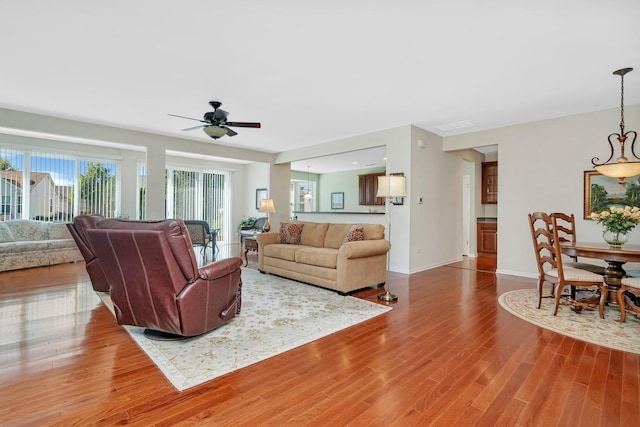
{"x":618,"y":220}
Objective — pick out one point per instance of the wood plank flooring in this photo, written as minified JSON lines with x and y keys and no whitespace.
{"x":447,"y":354}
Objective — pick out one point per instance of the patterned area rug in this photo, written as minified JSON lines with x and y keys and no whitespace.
{"x":277,"y":315}
{"x":586,"y":326}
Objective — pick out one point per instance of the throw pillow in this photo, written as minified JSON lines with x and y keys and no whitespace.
{"x":290,"y":233}
{"x":355,"y":233}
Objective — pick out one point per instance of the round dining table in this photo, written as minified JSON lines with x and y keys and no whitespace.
{"x":614,"y":257}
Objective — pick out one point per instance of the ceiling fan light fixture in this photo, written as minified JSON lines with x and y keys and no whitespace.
{"x":215,"y":132}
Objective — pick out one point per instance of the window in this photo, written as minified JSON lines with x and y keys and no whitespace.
{"x":5,"y":205}
{"x":200,"y":194}
{"x":51,"y":181}
{"x":303,"y":196}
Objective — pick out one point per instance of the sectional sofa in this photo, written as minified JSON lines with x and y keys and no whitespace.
{"x":341,"y":257}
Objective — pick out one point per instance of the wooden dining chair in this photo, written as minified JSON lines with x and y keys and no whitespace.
{"x":566,"y":226}
{"x":546,"y":243}
{"x":629,"y":301}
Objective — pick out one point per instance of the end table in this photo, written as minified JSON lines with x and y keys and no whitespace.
{"x":250,"y":244}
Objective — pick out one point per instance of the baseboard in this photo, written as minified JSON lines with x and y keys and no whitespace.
{"x":517,"y":273}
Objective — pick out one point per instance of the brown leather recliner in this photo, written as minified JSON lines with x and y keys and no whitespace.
{"x":155,"y":281}
{"x":78,"y":229}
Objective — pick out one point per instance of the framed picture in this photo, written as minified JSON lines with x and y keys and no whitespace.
{"x":397,"y":200}
{"x":601,"y":192}
{"x":261,"y":193}
{"x":337,"y":200}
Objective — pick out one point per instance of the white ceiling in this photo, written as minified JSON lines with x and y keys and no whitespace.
{"x":313,"y":72}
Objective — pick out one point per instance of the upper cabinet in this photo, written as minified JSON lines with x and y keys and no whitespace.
{"x":368,"y":188}
{"x":489,"y":183}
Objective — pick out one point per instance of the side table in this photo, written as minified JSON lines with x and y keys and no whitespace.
{"x":250,"y":244}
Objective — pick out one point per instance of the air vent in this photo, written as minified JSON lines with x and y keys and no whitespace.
{"x":455,"y":125}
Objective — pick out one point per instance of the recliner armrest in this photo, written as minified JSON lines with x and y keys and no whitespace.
{"x":220,"y":268}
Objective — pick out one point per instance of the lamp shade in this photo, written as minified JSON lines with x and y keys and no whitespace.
{"x":391,"y":186}
{"x":266,"y":205}
{"x":619,"y":169}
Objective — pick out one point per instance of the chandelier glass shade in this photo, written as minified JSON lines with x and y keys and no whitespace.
{"x":621,"y":168}
{"x":215,"y":131}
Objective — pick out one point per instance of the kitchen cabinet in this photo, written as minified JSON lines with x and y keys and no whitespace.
{"x":489,"y":183}
{"x":487,"y":238}
{"x":368,"y":188}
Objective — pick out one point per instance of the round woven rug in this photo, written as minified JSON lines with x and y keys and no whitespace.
{"x":586,"y":326}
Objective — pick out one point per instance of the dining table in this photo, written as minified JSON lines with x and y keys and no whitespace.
{"x":615,"y":257}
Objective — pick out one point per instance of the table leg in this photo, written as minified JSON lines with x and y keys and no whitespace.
{"x":613,"y":274}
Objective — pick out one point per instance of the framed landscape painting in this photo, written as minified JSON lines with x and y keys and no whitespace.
{"x":601,"y":192}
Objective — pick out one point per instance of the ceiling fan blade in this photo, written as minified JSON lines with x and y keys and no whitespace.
{"x":189,"y":118}
{"x":244,"y":124}
{"x":195,"y":127}
{"x":230,"y":132}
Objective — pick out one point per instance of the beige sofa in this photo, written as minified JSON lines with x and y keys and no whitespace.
{"x":323,"y":258}
{"x":27,"y":243}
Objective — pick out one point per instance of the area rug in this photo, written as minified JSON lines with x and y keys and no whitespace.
{"x":277,"y":315}
{"x":586,"y":326}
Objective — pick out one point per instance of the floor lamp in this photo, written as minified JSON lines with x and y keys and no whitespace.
{"x":267,"y":206}
{"x":390,"y":186}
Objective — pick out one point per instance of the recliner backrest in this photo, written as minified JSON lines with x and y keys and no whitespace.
{"x":176,"y":234}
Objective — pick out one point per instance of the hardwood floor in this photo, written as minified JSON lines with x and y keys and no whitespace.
{"x":447,"y":354}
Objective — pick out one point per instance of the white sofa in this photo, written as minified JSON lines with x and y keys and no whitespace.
{"x":27,"y":243}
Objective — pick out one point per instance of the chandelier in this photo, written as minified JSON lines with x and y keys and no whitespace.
{"x":622,"y":168}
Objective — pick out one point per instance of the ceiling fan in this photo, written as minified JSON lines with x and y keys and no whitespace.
{"x":216,"y":124}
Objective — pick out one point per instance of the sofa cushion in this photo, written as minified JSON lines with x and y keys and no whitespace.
{"x":373,"y":231}
{"x":355,"y":233}
{"x":280,"y":250}
{"x":335,"y":235}
{"x":313,"y":234}
{"x":5,"y":233}
{"x":19,"y":247}
{"x":290,"y":233}
{"x":322,"y":257}
{"x":27,"y":230}
{"x":59,"y":230}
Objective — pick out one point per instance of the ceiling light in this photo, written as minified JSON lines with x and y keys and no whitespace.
{"x":215,"y":132}
{"x":622,"y":168}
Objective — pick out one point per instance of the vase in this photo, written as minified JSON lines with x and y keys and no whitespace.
{"x":615,"y":239}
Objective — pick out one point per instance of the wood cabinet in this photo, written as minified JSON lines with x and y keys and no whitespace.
{"x":487,"y":238}
{"x":489,"y":183}
{"x":368,"y":188}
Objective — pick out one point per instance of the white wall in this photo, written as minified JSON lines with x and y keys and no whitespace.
{"x":434,"y":228}
{"x":347,"y":183}
{"x":541,"y":167}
